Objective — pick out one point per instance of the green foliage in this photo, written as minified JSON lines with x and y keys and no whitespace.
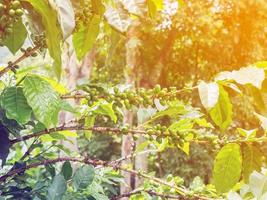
{"x":66,"y":170}
{"x":44,"y":101}
{"x":222,"y":112}
{"x":84,"y":38}
{"x":83,"y":177}
{"x":16,"y":38}
{"x":227,"y":168}
{"x":52,"y":31}
{"x":57,"y":189}
{"x":15,"y":104}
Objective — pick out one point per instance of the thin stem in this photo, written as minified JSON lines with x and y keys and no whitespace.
{"x":17,"y":61}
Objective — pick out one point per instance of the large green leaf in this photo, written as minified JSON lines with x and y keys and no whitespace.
{"x":83,"y":177}
{"x":52,"y":30}
{"x":248,"y":75}
{"x":252,"y":160}
{"x":104,"y":108}
{"x":222,"y":112}
{"x":209,"y":94}
{"x":84,"y":38}
{"x":227,"y":168}
{"x":16,"y":38}
{"x":57,"y":189}
{"x":15,"y":105}
{"x":45,"y":102}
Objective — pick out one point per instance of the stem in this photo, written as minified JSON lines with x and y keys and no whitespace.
{"x":21,"y":58}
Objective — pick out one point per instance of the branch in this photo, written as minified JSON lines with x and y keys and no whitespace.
{"x":152,"y":193}
{"x":181,"y":190}
{"x":76,"y":127}
{"x":11,"y":65}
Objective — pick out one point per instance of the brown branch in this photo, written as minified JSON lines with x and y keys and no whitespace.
{"x":76,"y":127}
{"x":18,"y":60}
{"x":152,"y":193}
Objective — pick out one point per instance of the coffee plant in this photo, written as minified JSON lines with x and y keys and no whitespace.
{"x":45,"y":155}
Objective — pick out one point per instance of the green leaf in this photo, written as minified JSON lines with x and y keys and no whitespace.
{"x":16,"y":38}
{"x":83,"y":177}
{"x":227,"y":168}
{"x":57,"y":189}
{"x":44,"y":101}
{"x":84,"y":39}
{"x":248,"y":75}
{"x":15,"y":105}
{"x":222,"y":112}
{"x":66,"y":170}
{"x":52,"y":30}
{"x":104,"y":108}
{"x":209,"y":94}
{"x":252,"y":160}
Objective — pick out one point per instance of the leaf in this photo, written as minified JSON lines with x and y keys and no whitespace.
{"x":222,"y":112}
{"x":15,"y":105}
{"x":143,"y":114}
{"x":209,"y":94}
{"x":84,"y":39}
{"x":57,"y":189}
{"x":52,"y":30}
{"x":4,"y":144}
{"x":249,"y":75}
{"x":152,"y":8}
{"x":118,"y":19}
{"x":247,"y":133}
{"x":44,"y":101}
{"x":252,"y":160}
{"x":16,"y":38}
{"x":66,"y":16}
{"x":66,"y":170}
{"x":258,"y":184}
{"x":227,"y":168}
{"x":89,"y":121}
{"x":83,"y":177}
{"x":104,"y":108}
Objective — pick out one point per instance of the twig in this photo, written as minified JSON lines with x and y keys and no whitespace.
{"x":152,"y":193}
{"x":17,"y":61}
{"x":76,"y":127}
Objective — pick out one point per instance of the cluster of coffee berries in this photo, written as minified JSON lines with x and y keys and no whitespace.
{"x":39,"y":40}
{"x":10,"y":12}
{"x":131,"y":97}
{"x":29,"y":51}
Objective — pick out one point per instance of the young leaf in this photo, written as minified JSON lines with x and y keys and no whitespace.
{"x":44,"y":101}
{"x":252,"y":160}
{"x":84,"y":39}
{"x":66,"y":170}
{"x":15,"y":105}
{"x":222,"y":112}
{"x":52,"y":30}
{"x":227,"y":168}
{"x":209,"y":94}
{"x":16,"y":38}
{"x":57,"y":189}
{"x":83,"y":177}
